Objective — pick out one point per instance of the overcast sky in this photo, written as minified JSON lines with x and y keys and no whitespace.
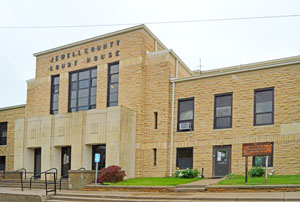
{"x":219,"y":44}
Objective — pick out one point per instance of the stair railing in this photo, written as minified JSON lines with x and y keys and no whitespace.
{"x":65,"y":176}
{"x":47,"y":172}
{"x":19,"y":171}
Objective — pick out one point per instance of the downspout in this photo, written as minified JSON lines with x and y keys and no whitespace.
{"x":172,"y":119}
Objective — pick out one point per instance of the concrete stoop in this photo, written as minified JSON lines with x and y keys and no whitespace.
{"x":127,"y":198}
{"x":190,"y":188}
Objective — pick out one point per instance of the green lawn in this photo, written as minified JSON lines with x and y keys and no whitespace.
{"x":277,"y":179}
{"x":156,"y":181}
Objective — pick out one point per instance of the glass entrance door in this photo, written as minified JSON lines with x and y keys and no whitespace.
{"x":37,"y":162}
{"x":65,"y":161}
{"x":221,"y":161}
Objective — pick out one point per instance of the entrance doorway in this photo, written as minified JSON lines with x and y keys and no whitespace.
{"x":99,"y":149}
{"x":37,"y":162}
{"x":221,"y":160}
{"x":65,"y":161}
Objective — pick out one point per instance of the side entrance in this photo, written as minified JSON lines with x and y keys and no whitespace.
{"x":221,"y":161}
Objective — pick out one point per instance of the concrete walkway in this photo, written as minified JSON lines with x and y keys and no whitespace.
{"x":204,"y":182}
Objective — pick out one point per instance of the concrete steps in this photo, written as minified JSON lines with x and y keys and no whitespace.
{"x":190,"y":188}
{"x":36,"y":184}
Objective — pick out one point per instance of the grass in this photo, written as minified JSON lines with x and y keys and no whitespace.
{"x":156,"y":181}
{"x":272,"y":180}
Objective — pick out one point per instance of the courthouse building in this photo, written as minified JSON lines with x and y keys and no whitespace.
{"x":128,"y":97}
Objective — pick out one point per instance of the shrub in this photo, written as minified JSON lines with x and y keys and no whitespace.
{"x":186,"y":173}
{"x":111,"y":174}
{"x":256,"y":171}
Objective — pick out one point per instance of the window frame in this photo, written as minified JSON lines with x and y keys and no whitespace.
{"x":215,"y":109}
{"x":1,"y":132}
{"x":77,"y":88}
{"x":271,"y":160}
{"x":52,"y":93}
{"x":109,"y":75}
{"x":177,"y":156}
{"x":178,"y":114}
{"x":254,"y":108}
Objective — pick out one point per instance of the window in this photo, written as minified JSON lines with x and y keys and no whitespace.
{"x":54,"y":94}
{"x":113,"y":84}
{"x":154,"y":156}
{"x":264,"y":106}
{"x":3,"y":133}
{"x":155,"y":119}
{"x":184,"y":158}
{"x":2,"y":163}
{"x":261,"y":160}
{"x":83,"y":88}
{"x":223,"y":111}
{"x":185,"y":114}
{"x":98,"y":149}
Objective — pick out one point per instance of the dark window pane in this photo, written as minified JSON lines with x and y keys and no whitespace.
{"x":55,"y":111}
{"x":84,"y":75}
{"x":74,"y":86}
{"x":55,"y":89}
{"x":264,"y":118}
{"x":114,"y":88}
{"x":74,"y":77}
{"x":113,"y":97}
{"x":114,"y":78}
{"x":114,"y":69}
{"x":264,"y":96}
{"x":84,"y":84}
{"x":94,"y":73}
{"x":83,"y":102}
{"x":184,"y":158}
{"x":93,"y":100}
{"x":222,"y":101}
{"x":83,"y":93}
{"x":73,"y":103}
{"x":93,"y":91}
{"x":94,"y":82}
{"x":55,"y":98}
{"x":73,"y":110}
{"x":55,"y":105}
{"x":223,"y":111}
{"x":186,"y":111}
{"x":83,"y":108}
{"x":223,"y":122}
{"x":56,"y":80}
{"x":264,"y":107}
{"x":2,"y":163}
{"x":73,"y":94}
{"x":93,"y":107}
{"x":111,"y":104}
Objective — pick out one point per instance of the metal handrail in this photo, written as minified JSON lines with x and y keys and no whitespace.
{"x":64,"y":176}
{"x":46,"y":182}
{"x":20,"y":171}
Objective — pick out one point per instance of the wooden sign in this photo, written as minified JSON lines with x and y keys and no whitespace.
{"x":257,"y":149}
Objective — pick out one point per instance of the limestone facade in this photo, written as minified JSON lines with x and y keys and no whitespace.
{"x":138,"y":133}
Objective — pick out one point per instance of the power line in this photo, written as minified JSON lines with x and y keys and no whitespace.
{"x":151,"y":23}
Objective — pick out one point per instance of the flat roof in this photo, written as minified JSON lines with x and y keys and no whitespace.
{"x":12,"y":107}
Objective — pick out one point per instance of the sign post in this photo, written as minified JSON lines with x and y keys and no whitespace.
{"x":256,"y":149}
{"x":97,"y":160}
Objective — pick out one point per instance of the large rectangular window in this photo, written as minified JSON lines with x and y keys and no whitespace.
{"x":184,"y":158}
{"x":223,"y":111}
{"x":261,"y":160}
{"x":113,"y":84}
{"x":264,"y":106}
{"x":185,"y":114}
{"x":3,"y":133}
{"x":83,"y":88}
{"x":54,"y":94}
{"x":2,"y":163}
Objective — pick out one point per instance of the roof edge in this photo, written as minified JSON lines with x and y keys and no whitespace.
{"x":12,"y":107}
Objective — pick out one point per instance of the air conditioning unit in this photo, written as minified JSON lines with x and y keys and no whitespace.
{"x":185,"y":126}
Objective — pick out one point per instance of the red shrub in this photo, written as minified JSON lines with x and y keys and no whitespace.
{"x":111,"y":174}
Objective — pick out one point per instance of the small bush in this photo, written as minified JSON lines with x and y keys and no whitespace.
{"x":186,"y":173}
{"x":111,"y":174}
{"x":256,"y":171}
